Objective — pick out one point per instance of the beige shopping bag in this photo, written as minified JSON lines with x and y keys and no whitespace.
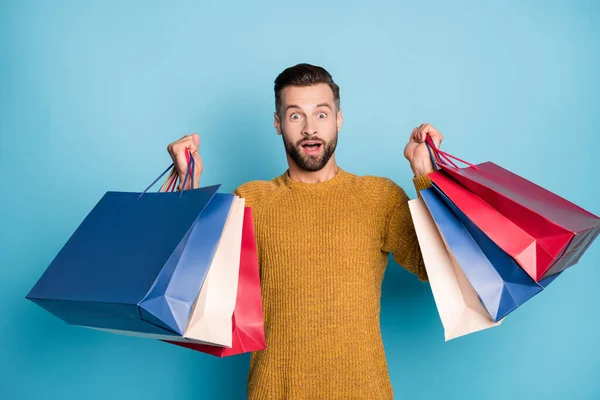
{"x":210,"y":321}
{"x":457,"y":303}
{"x":211,"y":318}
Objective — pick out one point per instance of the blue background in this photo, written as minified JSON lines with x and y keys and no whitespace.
{"x":92,"y":92}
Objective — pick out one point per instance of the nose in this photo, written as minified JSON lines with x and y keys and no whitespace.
{"x":309,"y":128}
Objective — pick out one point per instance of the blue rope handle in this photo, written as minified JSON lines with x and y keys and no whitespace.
{"x":156,"y":180}
{"x":433,"y":160}
{"x":187,"y":173}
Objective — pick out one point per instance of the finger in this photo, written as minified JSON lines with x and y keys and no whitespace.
{"x":172,"y":147}
{"x":178,"y":153}
{"x":179,"y":158}
{"x":427,"y":128}
{"x":423,"y":131}
{"x":188,"y":143}
{"x":414,"y":135}
{"x":435,"y":135}
{"x":418,"y":136}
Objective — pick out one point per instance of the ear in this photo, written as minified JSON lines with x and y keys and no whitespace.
{"x":277,"y":123}
{"x":340,"y":119}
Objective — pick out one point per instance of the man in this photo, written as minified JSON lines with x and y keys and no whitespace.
{"x":323,"y":237}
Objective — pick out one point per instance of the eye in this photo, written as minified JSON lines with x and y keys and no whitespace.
{"x":295,"y":116}
{"x":322,"y":115}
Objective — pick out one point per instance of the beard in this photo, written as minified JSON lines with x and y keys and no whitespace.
{"x":307,"y":162}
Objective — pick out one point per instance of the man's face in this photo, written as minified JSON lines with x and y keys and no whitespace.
{"x":309,"y":123}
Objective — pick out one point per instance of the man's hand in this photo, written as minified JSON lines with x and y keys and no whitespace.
{"x":416,"y":151}
{"x":177,"y":152}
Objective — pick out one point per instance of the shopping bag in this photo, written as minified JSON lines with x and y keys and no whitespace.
{"x":247,"y":320}
{"x":210,"y":319}
{"x":137,"y":261}
{"x":500,"y":283}
{"x":543,"y":232}
{"x":458,"y":305}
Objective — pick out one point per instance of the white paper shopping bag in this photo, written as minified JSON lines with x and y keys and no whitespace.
{"x":458,"y":305}
{"x":211,"y":318}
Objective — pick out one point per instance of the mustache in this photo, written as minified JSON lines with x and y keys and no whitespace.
{"x":310,"y":139}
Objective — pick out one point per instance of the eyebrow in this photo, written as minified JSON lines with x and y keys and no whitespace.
{"x":289,"y":106}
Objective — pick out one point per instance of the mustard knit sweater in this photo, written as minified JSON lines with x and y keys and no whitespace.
{"x":323,"y":249}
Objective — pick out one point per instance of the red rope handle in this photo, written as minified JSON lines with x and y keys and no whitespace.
{"x":171,"y":186}
{"x":188,"y":155}
{"x":447,"y":158}
{"x":173,"y":182}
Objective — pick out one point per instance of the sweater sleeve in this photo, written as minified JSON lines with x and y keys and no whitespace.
{"x":254,"y":192}
{"x":400,"y":236}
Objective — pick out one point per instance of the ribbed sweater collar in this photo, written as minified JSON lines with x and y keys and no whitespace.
{"x":340,"y":178}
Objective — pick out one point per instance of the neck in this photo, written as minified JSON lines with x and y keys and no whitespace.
{"x":326,"y":173}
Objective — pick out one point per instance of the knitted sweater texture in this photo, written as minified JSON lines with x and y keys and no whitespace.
{"x":323,"y":249}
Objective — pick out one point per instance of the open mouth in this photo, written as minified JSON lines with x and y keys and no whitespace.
{"x":311,"y":147}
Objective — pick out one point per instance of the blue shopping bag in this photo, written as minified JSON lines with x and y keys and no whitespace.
{"x":137,"y":261}
{"x":501,"y":284}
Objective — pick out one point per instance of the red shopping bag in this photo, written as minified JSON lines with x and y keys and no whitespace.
{"x":248,"y":322}
{"x":542,"y":231}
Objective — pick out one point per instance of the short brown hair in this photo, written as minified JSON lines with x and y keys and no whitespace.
{"x":304,"y":75}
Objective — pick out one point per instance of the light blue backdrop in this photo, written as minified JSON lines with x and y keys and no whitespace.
{"x":92,"y":92}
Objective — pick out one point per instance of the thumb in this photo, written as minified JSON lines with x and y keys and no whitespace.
{"x":196,"y":153}
{"x":196,"y":139}
{"x":435,"y":138}
{"x":437,"y":141}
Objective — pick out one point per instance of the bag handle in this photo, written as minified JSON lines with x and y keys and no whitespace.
{"x":167,"y":183}
{"x":171,"y":181}
{"x":189,"y":170}
{"x":439,"y":157}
